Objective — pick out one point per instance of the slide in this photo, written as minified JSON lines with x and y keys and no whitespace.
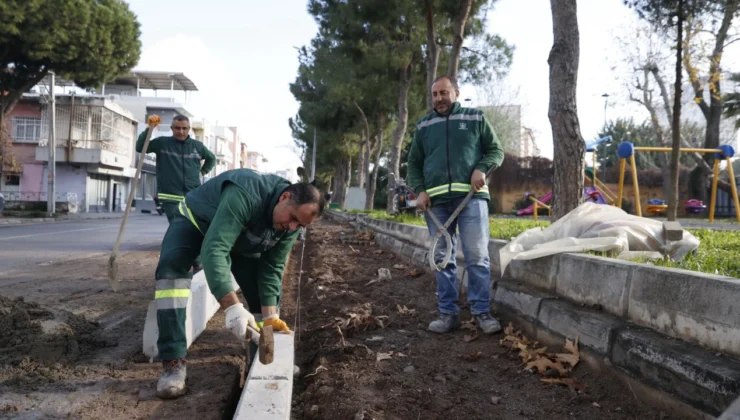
{"x":529,"y":210}
{"x":588,"y":191}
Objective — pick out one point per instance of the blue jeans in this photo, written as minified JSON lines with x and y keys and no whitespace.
{"x":474,"y":234}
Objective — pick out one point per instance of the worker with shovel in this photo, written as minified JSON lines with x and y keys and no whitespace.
{"x":244,"y":223}
{"x":178,"y":163}
{"x":452,"y":151}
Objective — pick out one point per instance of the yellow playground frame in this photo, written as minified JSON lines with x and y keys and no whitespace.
{"x":725,"y":152}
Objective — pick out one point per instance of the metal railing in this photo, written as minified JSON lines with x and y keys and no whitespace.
{"x":89,"y":127}
{"x":17,"y":196}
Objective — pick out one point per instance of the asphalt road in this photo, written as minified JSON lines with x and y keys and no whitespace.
{"x":24,"y":246}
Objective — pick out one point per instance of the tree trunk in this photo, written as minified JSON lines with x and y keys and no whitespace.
{"x":373,"y":179}
{"x":343,"y":178}
{"x":459,"y":27}
{"x":361,"y":166}
{"x":713,"y":111}
{"x":432,"y":58}
{"x":364,"y":157}
{"x":665,"y":166}
{"x":400,"y":132}
{"x":569,"y":147}
{"x":672,"y":211}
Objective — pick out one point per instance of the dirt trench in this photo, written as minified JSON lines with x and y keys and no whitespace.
{"x":364,"y":351}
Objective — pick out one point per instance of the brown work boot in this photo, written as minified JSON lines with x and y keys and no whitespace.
{"x":172,"y":382}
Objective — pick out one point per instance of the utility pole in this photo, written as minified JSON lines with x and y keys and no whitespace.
{"x":606,"y":145}
{"x":313,"y":157}
{"x":51,"y":204}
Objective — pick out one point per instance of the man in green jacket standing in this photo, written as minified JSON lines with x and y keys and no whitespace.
{"x":452,"y":150}
{"x":244,"y":223}
{"x":178,"y":162}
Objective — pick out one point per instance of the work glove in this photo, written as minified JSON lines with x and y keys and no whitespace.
{"x":153,"y":121}
{"x":276,"y":323}
{"x":237,"y":319}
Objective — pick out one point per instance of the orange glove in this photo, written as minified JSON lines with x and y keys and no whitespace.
{"x":276,"y":323}
{"x":153,"y":120}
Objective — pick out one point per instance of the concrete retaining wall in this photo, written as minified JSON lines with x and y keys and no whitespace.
{"x":624,"y":313}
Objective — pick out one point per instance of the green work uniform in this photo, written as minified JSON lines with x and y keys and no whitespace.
{"x":447,"y":149}
{"x":229,"y":221}
{"x":178,"y":167}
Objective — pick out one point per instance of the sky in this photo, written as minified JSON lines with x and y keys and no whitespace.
{"x":242,"y":56}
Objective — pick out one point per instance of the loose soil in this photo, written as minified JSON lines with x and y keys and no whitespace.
{"x":381,"y":363}
{"x":71,"y":348}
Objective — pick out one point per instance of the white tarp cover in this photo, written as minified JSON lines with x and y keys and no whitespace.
{"x":596,"y":227}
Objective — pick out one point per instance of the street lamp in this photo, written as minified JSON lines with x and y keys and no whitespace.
{"x":606,"y":100}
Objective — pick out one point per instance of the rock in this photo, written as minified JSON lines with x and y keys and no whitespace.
{"x":325,"y":391}
{"x":495,"y":400}
{"x":384,"y":274}
{"x":409,"y":369}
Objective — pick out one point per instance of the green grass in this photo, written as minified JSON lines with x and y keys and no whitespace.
{"x":718,"y":253}
{"x":501,"y":228}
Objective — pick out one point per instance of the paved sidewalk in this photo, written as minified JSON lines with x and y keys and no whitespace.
{"x":14,"y":221}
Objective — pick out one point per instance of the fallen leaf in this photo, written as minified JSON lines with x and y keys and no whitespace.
{"x":400,"y":355}
{"x":379,"y":251}
{"x":543,"y":363}
{"x":399,"y":266}
{"x":572,"y":347}
{"x":404,"y":310}
{"x":509,"y":330}
{"x":468,"y":325}
{"x":567,"y":358}
{"x":383,"y":356}
{"x":469,"y":338}
{"x":472,"y":357}
{"x":354,"y":251}
{"x":415,"y":273}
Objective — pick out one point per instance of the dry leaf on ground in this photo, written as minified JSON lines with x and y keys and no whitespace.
{"x":415,"y":273}
{"x":399,"y":266}
{"x":543,"y":363}
{"x":404,"y":310}
{"x":383,"y":356}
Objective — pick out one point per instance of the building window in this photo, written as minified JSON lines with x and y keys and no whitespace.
{"x":12,"y":180}
{"x":26,"y":129}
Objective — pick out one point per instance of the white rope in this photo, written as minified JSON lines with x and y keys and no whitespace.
{"x":297,"y":320}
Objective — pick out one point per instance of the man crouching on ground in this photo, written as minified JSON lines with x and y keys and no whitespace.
{"x":242,"y":223}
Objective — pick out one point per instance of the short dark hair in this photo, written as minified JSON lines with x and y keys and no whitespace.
{"x":304,"y":193}
{"x":180,"y":117}
{"x":453,"y":81}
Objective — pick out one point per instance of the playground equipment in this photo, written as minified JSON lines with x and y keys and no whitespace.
{"x":695,"y":206}
{"x":531,"y":209}
{"x":536,"y":204}
{"x":609,"y":197}
{"x":656,"y":206}
{"x":726,"y":152}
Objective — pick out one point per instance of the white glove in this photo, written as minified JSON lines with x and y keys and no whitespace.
{"x":237,"y":319}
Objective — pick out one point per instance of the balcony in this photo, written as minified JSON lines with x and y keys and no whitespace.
{"x":89,"y":130}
